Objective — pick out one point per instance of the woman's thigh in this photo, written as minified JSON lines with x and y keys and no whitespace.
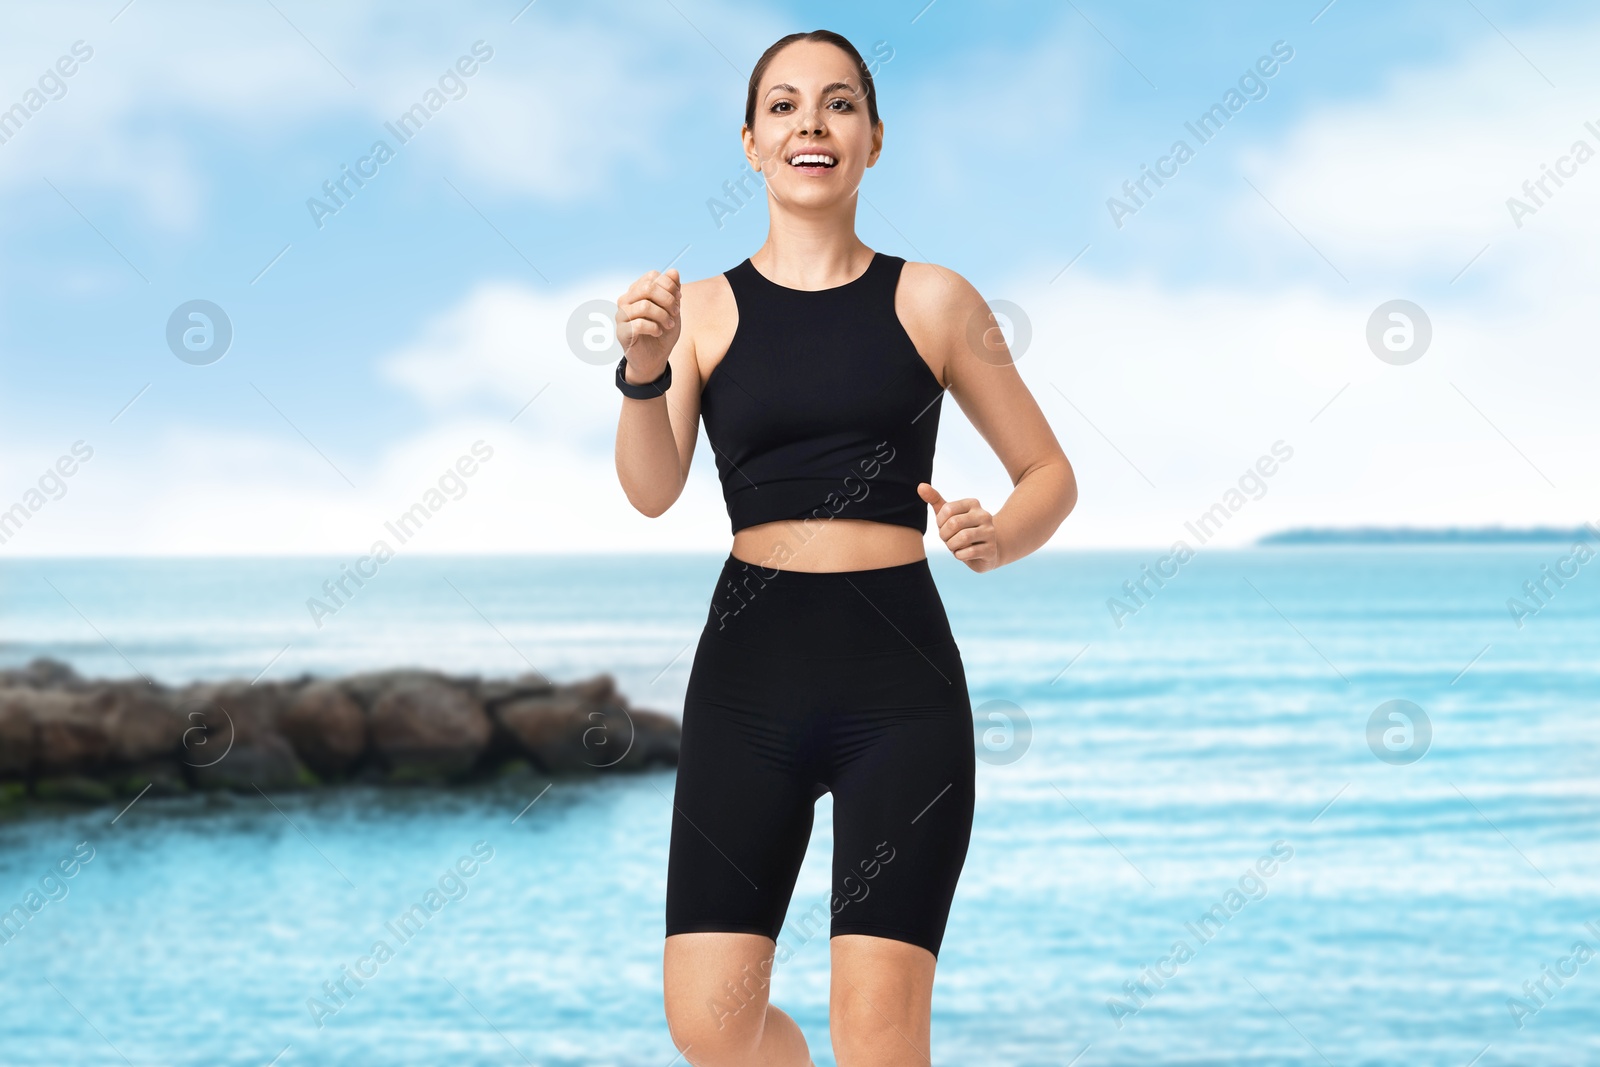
{"x":903,"y":786}
{"x":745,"y":795}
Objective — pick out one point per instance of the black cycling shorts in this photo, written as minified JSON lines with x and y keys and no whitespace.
{"x":805,"y":683}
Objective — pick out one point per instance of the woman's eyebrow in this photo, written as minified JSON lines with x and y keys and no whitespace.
{"x":826,"y":89}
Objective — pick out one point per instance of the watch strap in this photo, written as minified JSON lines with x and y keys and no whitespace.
{"x":643,"y":390}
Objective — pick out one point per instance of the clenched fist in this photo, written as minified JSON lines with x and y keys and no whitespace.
{"x":966,"y":529}
{"x":648,"y":324}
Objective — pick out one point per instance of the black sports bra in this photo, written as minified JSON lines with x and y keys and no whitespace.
{"x":822,"y":407}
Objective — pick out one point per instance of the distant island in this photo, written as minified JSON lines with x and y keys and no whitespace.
{"x":1417,"y":535}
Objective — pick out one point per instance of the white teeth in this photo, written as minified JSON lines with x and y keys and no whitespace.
{"x":811,"y":157}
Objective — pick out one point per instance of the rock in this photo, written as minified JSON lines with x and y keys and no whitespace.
{"x":70,"y":739}
{"x":367,"y":688}
{"x":250,"y":711}
{"x":264,"y":762}
{"x":143,"y":723}
{"x":549,"y":731}
{"x":209,"y":732}
{"x":231,"y":741}
{"x":17,"y":733}
{"x":326,"y":727}
{"x":43,"y":673}
{"x":499,"y":690}
{"x":220,"y":719}
{"x":569,"y":732}
{"x":425,"y":730}
{"x":657,"y":740}
{"x":73,"y":789}
{"x":70,"y":731}
{"x":597,"y":690}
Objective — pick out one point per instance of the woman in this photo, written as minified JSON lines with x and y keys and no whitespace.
{"x":826,"y":663}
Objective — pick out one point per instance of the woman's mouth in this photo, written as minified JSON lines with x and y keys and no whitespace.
{"x":812,"y":162}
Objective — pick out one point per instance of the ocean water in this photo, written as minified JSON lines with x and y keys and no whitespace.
{"x":1411,"y":892}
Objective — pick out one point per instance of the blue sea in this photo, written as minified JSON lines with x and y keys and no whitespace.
{"x":1296,"y":805}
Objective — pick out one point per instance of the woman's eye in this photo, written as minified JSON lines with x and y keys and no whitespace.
{"x":848,"y":106}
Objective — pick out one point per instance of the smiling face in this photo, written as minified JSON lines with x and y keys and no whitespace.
{"x":813,"y":138}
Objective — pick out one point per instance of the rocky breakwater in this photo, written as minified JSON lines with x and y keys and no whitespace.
{"x":67,"y":738}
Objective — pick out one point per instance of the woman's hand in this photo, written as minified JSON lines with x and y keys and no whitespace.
{"x":968,"y":531}
{"x":648,"y":324}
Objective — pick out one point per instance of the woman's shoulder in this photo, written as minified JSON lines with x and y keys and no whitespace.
{"x":711,"y":295}
{"x":936,"y":295}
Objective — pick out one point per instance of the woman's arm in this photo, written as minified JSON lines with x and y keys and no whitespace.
{"x":656,"y":437}
{"x":980,"y":374}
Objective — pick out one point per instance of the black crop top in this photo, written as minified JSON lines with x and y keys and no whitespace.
{"x":822,"y":406}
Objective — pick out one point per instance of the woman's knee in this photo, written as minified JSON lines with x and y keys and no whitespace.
{"x":710,"y":1022}
{"x":716,"y":1002}
{"x":880,"y":1028}
{"x":878,"y":1010}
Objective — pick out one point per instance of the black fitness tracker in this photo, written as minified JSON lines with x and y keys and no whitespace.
{"x":644,"y":390}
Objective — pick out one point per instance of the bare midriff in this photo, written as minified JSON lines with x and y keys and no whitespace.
{"x":828,"y":545}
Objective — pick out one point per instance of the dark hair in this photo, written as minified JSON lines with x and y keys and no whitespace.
{"x":827,"y":36}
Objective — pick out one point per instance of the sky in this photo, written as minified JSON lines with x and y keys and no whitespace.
{"x":1173,"y":336}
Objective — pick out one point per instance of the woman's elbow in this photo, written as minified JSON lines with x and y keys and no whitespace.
{"x":1069,"y":489}
{"x":653,"y":505}
{"x":650,"y":509}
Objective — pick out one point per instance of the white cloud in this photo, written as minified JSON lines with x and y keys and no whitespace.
{"x":213,"y":494}
{"x":563,"y":106}
{"x":1416,"y":179}
{"x":1191,"y":384}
